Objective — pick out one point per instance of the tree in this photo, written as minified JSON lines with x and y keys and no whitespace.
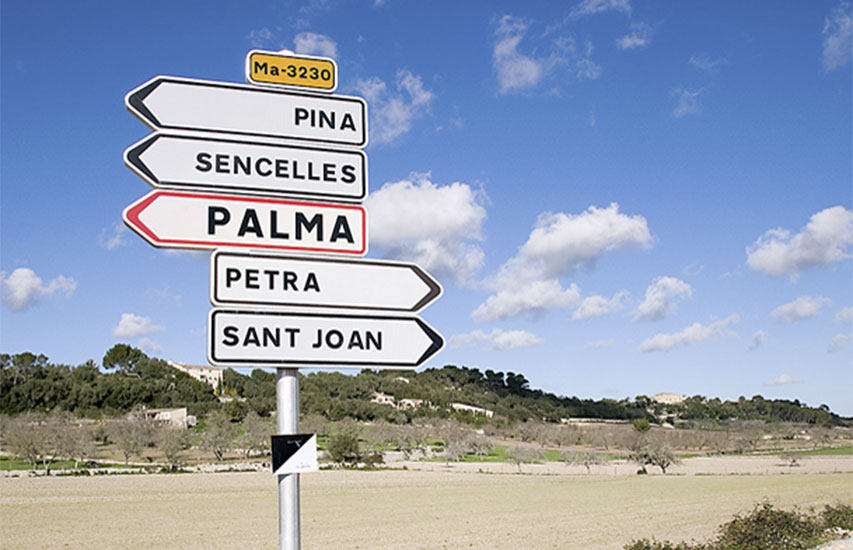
{"x":523,"y":455}
{"x":172,"y":442}
{"x":219,"y":434}
{"x":123,"y":357}
{"x":585,"y":459}
{"x":343,"y":443}
{"x":655,"y":453}
{"x":256,"y":434}
{"x":131,"y":434}
{"x":22,"y":439}
{"x":641,"y":425}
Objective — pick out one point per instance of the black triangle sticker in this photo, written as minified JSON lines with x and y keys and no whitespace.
{"x":285,"y":446}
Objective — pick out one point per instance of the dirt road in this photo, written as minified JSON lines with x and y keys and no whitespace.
{"x":395,"y":510}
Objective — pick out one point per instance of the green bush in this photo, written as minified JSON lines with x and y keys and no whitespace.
{"x":840,"y":516}
{"x":769,"y":529}
{"x":766,"y":528}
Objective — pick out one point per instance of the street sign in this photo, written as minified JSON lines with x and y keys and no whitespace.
{"x":291,"y":70}
{"x":191,"y":162}
{"x":200,"y":105}
{"x":173,"y":219}
{"x":273,"y":338}
{"x":248,"y":279}
{"x":294,"y":453}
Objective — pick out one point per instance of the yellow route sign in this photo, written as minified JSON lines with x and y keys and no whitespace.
{"x":291,"y":70}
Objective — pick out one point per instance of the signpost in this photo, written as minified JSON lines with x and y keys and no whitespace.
{"x":192,"y":220}
{"x":219,"y":151}
{"x":171,"y":103}
{"x":281,"y":338}
{"x":290,"y":281}
{"x":208,"y":163}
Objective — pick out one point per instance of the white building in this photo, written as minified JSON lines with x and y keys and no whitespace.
{"x":668,"y":398}
{"x":472,"y":409}
{"x":204,"y":373}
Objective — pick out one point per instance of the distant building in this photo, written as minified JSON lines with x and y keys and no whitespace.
{"x":410,"y":403}
{"x":383,"y":399}
{"x":177,"y":418}
{"x":204,"y":373}
{"x":472,"y":409}
{"x":669,"y":398}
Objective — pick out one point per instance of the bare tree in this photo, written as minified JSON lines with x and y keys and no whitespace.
{"x":131,"y":434}
{"x":172,"y":442}
{"x":256,"y":434}
{"x":22,"y":439}
{"x":219,"y":435}
{"x":655,"y":453}
{"x":585,"y":459}
{"x":519,"y":455}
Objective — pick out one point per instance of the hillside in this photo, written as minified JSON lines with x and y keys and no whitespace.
{"x":127,"y":378}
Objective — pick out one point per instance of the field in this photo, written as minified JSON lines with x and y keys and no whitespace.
{"x":403,"y":510}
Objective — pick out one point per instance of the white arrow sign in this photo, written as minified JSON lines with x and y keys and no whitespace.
{"x":190,"y":220}
{"x":249,"y":279}
{"x":210,"y":163}
{"x":270,"y":338}
{"x":202,"y":105}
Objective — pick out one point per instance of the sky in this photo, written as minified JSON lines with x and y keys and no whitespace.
{"x":619,"y":198}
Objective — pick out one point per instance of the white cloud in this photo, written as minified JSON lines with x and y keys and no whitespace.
{"x":844,"y":315}
{"x":839,"y":342}
{"x":596,"y":306}
{"x":690,"y":335}
{"x":532,"y":297}
{"x":688,"y":102}
{"x":705,"y":63}
{"x":599,"y":344}
{"x":590,"y":7}
{"x":150,"y":346}
{"x":23,"y":288}
{"x":435,"y":226}
{"x":801,"y":308}
{"x":312,"y":43}
{"x":660,"y":298}
{"x":783,"y":380}
{"x":640,"y":35}
{"x":586,"y":67}
{"x":558,"y":245}
{"x":391,"y":115}
{"x":497,"y":339}
{"x":837,"y":37}
{"x":516,"y":71}
{"x":114,"y":237}
{"x":825,"y":239}
{"x":758,"y":339}
{"x":260,"y":37}
{"x":134,"y":326}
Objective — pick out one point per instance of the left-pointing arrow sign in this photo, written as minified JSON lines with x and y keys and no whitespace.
{"x":172,"y":219}
{"x":206,"y":106}
{"x":189,"y":162}
{"x":303,"y":339}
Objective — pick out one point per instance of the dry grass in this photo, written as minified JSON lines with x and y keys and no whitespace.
{"x":402,"y":510}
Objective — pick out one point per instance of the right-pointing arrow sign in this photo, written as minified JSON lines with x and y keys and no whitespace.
{"x":271,"y":338}
{"x":254,"y":279}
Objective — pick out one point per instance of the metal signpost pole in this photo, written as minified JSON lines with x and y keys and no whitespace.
{"x":287,"y":418}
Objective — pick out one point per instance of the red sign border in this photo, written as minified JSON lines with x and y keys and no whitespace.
{"x":131,"y":218}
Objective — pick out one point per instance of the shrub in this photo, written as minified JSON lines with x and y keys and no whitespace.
{"x":765,"y":528}
{"x":840,"y":516}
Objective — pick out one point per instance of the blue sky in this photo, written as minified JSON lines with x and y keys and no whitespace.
{"x":618,"y":197}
